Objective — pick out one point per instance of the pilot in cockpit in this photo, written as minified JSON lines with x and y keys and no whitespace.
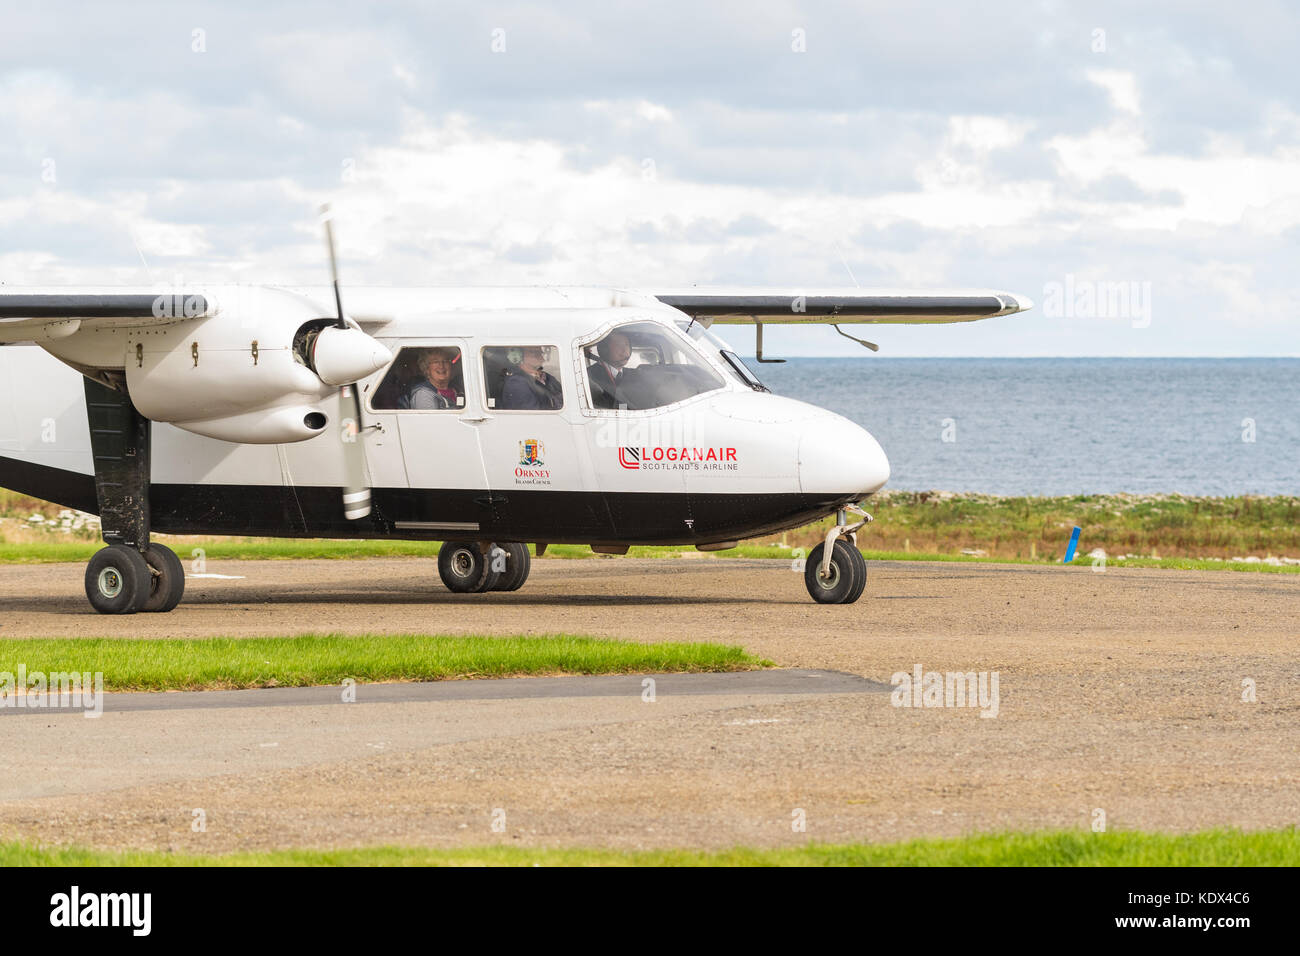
{"x":613,"y":352}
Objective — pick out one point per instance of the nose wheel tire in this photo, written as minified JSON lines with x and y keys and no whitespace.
{"x":117,"y":580}
{"x":844,"y":581}
{"x":167,"y":578}
{"x":464,"y":569}
{"x":518,"y":563}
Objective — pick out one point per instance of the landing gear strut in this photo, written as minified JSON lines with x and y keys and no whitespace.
{"x":131,"y":574}
{"x":835,"y":572}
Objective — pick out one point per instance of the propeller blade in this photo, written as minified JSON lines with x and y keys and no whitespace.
{"x":328,"y":218}
{"x":356,"y":487}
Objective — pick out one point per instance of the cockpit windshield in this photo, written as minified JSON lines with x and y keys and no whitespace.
{"x":734,"y":363}
{"x":644,"y":365}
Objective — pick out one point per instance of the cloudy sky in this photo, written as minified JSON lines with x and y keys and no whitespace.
{"x":1063,"y":153}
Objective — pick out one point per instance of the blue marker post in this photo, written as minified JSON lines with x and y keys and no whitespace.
{"x":1074,"y":543}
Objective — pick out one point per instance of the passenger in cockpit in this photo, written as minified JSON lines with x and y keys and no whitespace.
{"x":529,"y":386}
{"x":435,"y":389}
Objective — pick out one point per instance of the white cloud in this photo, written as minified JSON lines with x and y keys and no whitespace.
{"x":1175,"y":157}
{"x":1121,"y":86}
{"x":653,"y":112}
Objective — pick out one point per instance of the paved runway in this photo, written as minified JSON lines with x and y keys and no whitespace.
{"x":1124,"y":691}
{"x":760,"y":683}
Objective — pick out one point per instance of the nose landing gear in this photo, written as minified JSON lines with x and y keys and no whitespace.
{"x":835,"y":572}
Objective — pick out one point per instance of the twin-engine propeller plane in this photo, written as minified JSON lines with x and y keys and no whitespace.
{"x":483,"y":418}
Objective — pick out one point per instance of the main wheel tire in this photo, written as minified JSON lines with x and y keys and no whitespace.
{"x":845,"y":580}
{"x":518,"y":563}
{"x":464,"y":569}
{"x":167,"y":578}
{"x":117,"y":580}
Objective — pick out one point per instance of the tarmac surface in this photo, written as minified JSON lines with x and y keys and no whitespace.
{"x":1164,"y":700}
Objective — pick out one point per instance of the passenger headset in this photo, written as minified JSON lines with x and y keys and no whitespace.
{"x":515,"y":354}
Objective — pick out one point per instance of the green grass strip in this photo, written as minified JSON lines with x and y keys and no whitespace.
{"x":224,"y":663}
{"x":52,"y":552}
{"x":223,"y":549}
{"x":1054,"y":848}
{"x":1081,"y":561}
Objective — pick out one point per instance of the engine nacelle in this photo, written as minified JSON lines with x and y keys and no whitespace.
{"x":257,"y":371}
{"x":287,"y":423}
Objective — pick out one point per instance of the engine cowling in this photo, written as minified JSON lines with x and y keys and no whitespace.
{"x":260,"y":371}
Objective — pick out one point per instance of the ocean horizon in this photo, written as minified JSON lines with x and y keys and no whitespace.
{"x":1064,"y":426}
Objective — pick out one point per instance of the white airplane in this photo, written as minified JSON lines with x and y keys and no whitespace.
{"x":483,"y":418}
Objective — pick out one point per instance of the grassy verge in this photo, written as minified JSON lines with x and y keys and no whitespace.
{"x":222,"y":663}
{"x":221,"y":549}
{"x":52,"y":552}
{"x":1062,"y":848}
{"x":1170,"y":526}
{"x":1081,"y":560}
{"x":1145,"y":531}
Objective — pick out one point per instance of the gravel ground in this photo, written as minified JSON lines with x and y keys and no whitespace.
{"x":1119,"y":692}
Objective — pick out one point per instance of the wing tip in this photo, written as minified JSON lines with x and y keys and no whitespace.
{"x":1016,"y":303}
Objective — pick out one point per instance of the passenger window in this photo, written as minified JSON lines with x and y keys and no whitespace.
{"x":523,"y":378}
{"x":645,"y":365}
{"x":424,"y":378}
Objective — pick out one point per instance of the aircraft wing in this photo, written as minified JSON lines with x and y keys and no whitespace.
{"x":27,"y":315}
{"x":841,"y":306}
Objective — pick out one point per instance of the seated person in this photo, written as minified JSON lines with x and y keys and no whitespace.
{"x":614,"y":351}
{"x":528,"y":387}
{"x":434,"y":389}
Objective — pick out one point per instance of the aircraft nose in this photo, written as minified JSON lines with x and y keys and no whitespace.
{"x":838,"y":457}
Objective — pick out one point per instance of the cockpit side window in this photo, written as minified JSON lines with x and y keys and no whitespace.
{"x":423,"y":378}
{"x":523,"y":378}
{"x":644,"y":365}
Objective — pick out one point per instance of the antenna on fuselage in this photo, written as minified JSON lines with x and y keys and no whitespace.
{"x":871,"y":345}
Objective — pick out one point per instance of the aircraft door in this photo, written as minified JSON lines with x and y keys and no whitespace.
{"x":382,"y":437}
{"x":428,"y":395}
{"x":538,"y":481}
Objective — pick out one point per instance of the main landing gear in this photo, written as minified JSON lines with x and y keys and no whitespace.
{"x":835,"y":572}
{"x":121,"y":580}
{"x":132,"y":573}
{"x":469,"y":568}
